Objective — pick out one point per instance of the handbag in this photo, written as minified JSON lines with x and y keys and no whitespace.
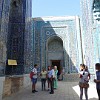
{"x":83,"y":85}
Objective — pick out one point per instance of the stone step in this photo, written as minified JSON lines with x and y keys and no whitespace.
{"x":72,"y":77}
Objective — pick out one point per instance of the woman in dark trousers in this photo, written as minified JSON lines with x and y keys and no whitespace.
{"x":97,"y":80}
{"x":43,"y":78}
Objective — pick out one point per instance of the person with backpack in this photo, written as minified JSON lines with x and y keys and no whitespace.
{"x":34,"y":78}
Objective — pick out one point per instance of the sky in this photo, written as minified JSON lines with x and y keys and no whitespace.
{"x":42,"y":8}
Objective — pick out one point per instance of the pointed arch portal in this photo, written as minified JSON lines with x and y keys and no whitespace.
{"x":55,"y":52}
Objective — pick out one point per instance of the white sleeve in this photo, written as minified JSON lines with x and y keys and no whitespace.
{"x":53,"y":73}
{"x":33,"y":70}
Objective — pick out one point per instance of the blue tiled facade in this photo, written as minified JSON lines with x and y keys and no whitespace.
{"x":90,"y":18}
{"x":96,"y":38}
{"x":15,"y":32}
{"x":4,"y":20}
{"x":87,"y":35}
{"x":28,"y":43}
{"x":96,"y":29}
{"x":57,"y":39}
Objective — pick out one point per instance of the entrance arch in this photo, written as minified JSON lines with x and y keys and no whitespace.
{"x":55,"y":52}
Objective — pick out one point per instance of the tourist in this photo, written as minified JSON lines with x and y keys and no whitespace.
{"x":43,"y":75}
{"x":52,"y":76}
{"x":48,"y":79}
{"x":84,"y":79}
{"x":97,"y":80}
{"x":34,"y":79}
{"x":56,"y":80}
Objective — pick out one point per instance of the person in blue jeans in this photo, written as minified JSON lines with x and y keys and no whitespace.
{"x":97,"y":80}
{"x":34,"y":78}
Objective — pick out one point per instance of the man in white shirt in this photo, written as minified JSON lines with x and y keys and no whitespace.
{"x":52,"y":76}
{"x":34,"y":78}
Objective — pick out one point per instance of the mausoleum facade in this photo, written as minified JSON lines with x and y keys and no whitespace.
{"x":57,"y":41}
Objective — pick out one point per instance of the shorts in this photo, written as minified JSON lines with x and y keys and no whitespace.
{"x":34,"y":80}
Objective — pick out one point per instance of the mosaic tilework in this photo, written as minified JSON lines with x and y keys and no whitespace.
{"x":4,"y":19}
{"x":15,"y":34}
{"x":51,"y":30}
{"x":96,"y":30}
{"x":87,"y":36}
{"x":96,"y":38}
{"x":90,"y":19}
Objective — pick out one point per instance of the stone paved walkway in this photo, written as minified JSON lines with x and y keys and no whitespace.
{"x":66,"y":91}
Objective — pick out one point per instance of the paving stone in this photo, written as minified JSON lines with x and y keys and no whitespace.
{"x":65,"y":91}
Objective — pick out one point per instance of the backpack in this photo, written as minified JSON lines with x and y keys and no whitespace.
{"x":31,"y":74}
